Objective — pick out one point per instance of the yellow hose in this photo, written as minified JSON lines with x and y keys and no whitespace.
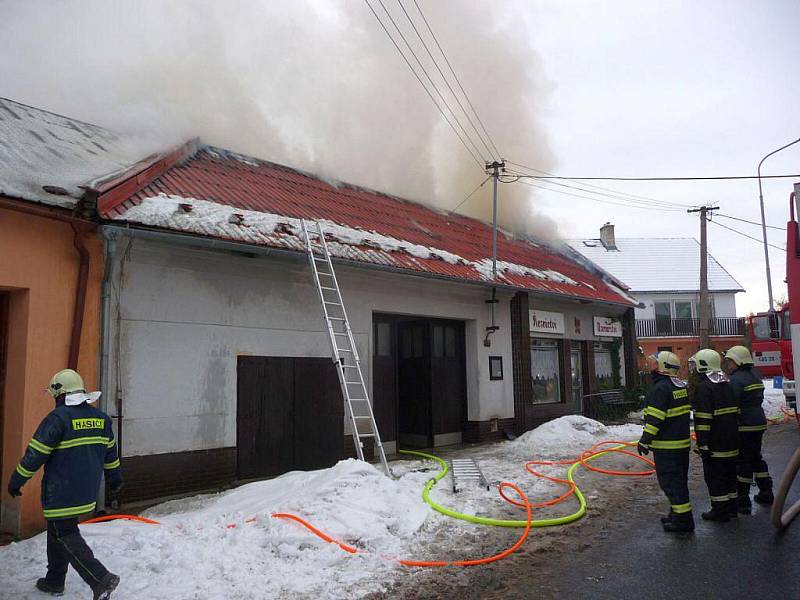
{"x":503,"y":522}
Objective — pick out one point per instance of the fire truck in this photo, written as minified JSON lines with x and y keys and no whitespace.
{"x":772,"y":346}
{"x":791,"y":360}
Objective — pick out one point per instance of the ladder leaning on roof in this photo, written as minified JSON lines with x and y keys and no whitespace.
{"x":343,"y":346}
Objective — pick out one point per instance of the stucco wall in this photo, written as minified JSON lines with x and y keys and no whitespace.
{"x":39,"y":268}
{"x":185,"y":314}
{"x":724,"y":303}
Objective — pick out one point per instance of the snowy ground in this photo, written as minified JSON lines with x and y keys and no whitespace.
{"x":194,"y":554}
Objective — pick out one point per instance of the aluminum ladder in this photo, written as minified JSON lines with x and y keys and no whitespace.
{"x":345,"y":355}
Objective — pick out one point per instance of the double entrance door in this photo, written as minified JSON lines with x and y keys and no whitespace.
{"x":419,"y":381}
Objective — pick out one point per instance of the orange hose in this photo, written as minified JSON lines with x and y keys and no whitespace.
{"x":436,"y":563}
{"x":125,"y":517}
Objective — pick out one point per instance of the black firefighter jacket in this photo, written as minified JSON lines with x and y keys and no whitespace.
{"x":716,"y":416}
{"x":666,"y":415}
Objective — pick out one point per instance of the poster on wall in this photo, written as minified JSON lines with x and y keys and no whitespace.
{"x":543,"y":321}
{"x":607,"y":327}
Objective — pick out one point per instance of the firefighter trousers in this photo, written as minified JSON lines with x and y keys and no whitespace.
{"x":751,"y":464}
{"x":66,"y":547}
{"x":672,"y":472}
{"x":720,"y":476}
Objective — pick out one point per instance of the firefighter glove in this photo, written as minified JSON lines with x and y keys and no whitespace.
{"x":642,"y":449}
{"x":14,"y":491}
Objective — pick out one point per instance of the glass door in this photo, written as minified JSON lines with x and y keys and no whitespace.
{"x":577,"y":377}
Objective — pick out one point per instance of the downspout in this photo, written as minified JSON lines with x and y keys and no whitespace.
{"x":109,"y":250}
{"x":80,"y":297}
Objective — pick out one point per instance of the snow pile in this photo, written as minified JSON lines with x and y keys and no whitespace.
{"x":571,"y":434}
{"x":194,"y":554}
{"x":221,"y":220}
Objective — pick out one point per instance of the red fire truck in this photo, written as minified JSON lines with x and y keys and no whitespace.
{"x":772,"y":345}
{"x":791,"y":360}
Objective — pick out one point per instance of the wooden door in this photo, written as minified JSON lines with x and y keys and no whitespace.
{"x":384,"y":376}
{"x":290,"y":415}
{"x":414,"y":386}
{"x":448,"y":377}
{"x":264,"y":417}
{"x":318,"y":414}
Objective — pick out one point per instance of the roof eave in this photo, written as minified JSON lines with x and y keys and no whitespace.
{"x":190,"y":239}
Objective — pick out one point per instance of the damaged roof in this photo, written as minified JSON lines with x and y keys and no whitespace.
{"x":49,"y":159}
{"x":220,"y":194}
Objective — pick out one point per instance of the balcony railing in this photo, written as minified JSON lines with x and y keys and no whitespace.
{"x":663,"y":327}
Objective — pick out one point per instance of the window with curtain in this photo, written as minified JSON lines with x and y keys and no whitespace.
{"x":545,"y":371}
{"x":603,"y":368}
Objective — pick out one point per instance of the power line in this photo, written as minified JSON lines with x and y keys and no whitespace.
{"x":647,"y":202}
{"x":472,"y":193}
{"x":709,"y":178}
{"x":594,"y":199}
{"x":750,"y":222}
{"x":430,"y":80}
{"x":750,"y":237}
{"x":458,"y":81}
{"x":446,"y":82}
{"x":427,"y":91}
{"x":605,"y":189}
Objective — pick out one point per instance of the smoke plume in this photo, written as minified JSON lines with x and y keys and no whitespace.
{"x":309,"y":83}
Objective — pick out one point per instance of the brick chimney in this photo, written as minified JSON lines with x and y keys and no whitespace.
{"x":607,"y":237}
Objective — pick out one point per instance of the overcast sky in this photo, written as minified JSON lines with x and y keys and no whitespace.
{"x":577,"y":87}
{"x":675,"y":88}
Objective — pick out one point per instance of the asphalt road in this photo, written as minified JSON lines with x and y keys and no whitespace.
{"x":746,"y":558}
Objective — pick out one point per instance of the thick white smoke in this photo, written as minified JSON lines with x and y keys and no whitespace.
{"x":309,"y":83}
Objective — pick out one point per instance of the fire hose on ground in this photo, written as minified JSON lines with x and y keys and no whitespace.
{"x":521,"y":502}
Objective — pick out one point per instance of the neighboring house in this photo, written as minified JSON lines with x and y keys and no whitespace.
{"x":663,"y":275}
{"x":214,"y":356}
{"x":51,"y":265}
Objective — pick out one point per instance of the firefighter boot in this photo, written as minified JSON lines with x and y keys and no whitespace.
{"x":683,"y":523}
{"x":108,"y":584}
{"x":718,"y":512}
{"x":733,"y":508}
{"x":49,"y":588}
{"x":667,"y":519}
{"x":764,"y":495}
{"x":744,"y":505}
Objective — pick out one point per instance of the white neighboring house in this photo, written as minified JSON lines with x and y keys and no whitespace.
{"x":663,"y":274}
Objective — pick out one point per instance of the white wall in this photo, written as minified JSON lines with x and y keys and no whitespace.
{"x":186,"y":314}
{"x":724,"y":303}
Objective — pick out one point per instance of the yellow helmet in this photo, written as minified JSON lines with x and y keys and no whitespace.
{"x":65,"y":382}
{"x":740,"y":355}
{"x":707,"y":361}
{"x":668,"y":362}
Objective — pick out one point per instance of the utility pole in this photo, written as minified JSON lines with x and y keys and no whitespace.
{"x":704,"y":300}
{"x":494,"y":168}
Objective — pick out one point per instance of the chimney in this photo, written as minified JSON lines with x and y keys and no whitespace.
{"x":607,"y":237}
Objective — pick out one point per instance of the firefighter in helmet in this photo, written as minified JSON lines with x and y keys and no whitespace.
{"x":75,"y":444}
{"x":716,"y":425}
{"x":666,"y":433}
{"x":749,"y":390}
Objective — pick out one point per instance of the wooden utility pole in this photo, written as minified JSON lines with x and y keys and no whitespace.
{"x":705,"y":306}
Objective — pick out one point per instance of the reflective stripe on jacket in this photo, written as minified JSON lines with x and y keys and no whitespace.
{"x":666,"y":415}
{"x":76,"y":446}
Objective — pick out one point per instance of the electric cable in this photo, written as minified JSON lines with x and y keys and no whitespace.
{"x":472,"y":193}
{"x":750,"y":222}
{"x":458,"y":81}
{"x":480,"y":163}
{"x":707,"y":178}
{"x":750,"y":237}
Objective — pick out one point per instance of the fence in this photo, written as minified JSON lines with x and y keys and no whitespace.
{"x":664,"y":327}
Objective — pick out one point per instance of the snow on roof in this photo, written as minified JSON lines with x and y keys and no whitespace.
{"x":363,"y":225}
{"x":657,"y":264}
{"x":39,"y":148}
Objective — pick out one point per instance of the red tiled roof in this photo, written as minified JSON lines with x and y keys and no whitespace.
{"x":229,"y":179}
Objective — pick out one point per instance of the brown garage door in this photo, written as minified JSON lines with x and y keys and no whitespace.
{"x":289,"y":415}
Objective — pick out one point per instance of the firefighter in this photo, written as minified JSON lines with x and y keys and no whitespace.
{"x":749,"y":390}
{"x":666,"y":433}
{"x":76,"y":445}
{"x":716,"y":424}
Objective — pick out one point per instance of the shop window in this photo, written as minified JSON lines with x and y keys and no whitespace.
{"x":603,"y":366}
{"x":545,"y":371}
